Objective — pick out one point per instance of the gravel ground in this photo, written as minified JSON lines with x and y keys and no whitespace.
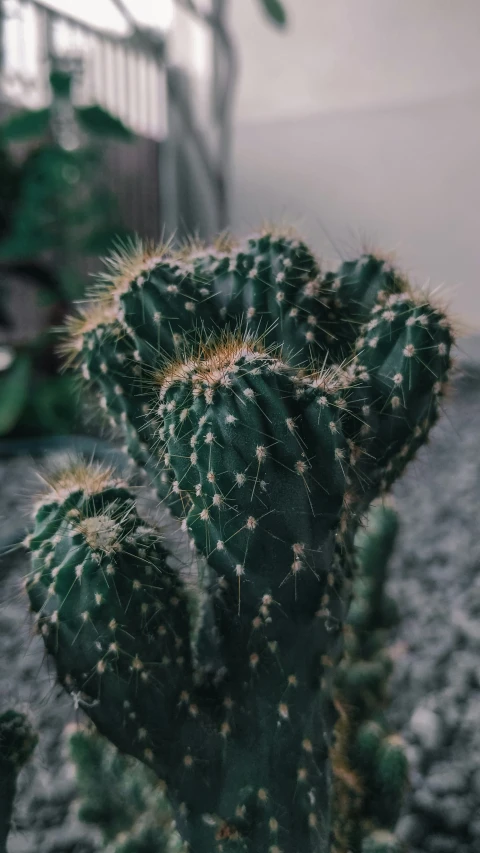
{"x":435,"y":578}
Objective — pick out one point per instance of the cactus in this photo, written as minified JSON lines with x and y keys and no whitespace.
{"x":17,"y":742}
{"x":281,"y":401}
{"x":106,"y":779}
{"x":369,"y":763}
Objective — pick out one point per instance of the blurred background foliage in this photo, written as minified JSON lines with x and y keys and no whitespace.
{"x":55,"y":216}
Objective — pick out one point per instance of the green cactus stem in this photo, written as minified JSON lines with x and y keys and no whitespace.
{"x":276,"y":288}
{"x":356,"y":288}
{"x":108,"y":361}
{"x":269,"y":440}
{"x":116,"y":619}
{"x":236,"y":423}
{"x":159,"y":296}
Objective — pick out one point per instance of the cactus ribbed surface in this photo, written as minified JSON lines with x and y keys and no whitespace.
{"x":17,"y":742}
{"x":270,"y":403}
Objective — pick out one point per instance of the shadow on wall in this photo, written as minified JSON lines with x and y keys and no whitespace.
{"x":404,"y":179}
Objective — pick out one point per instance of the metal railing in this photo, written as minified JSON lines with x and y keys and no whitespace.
{"x":174,"y":178}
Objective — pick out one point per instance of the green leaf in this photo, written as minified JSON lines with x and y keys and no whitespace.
{"x":25,"y":125}
{"x":95,"y":119}
{"x":14,"y":388}
{"x":275,"y":11}
{"x":61,"y":83}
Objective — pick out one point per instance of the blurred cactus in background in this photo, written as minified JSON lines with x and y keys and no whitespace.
{"x":120,"y":796}
{"x":271,"y":403}
{"x":369,"y":762}
{"x":17,"y":743}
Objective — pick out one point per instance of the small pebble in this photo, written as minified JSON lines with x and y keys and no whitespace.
{"x":427,"y":726}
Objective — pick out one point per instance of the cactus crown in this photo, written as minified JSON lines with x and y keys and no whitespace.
{"x":269,"y":403}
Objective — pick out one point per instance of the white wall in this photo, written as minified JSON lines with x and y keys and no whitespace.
{"x":364,"y":122}
{"x":345,"y":54}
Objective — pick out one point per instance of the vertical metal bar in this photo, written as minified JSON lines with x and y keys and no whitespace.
{"x":89,"y":75}
{"x":120,"y":94}
{"x":143,"y":92}
{"x":126,"y":86}
{"x":18,"y":51}
{"x":222,"y":83}
{"x":132,"y":88}
{"x":98,"y":75}
{"x":42,"y":57}
{"x":2,"y":45}
{"x":107,"y":95}
{"x":119,"y":99}
{"x":168,"y":172}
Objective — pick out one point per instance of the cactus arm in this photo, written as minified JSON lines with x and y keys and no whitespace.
{"x":162,"y":297}
{"x":235,"y":425}
{"x":356,"y":287}
{"x":405,"y":352}
{"x":277,"y":291}
{"x":17,"y":742}
{"x":115,"y":617}
{"x":105,"y":355}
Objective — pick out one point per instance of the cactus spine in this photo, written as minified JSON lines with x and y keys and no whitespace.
{"x":269,"y":439}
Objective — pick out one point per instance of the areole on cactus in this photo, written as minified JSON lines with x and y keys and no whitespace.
{"x":270,"y":403}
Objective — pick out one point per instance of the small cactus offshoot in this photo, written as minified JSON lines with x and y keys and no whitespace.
{"x":270,"y":403}
{"x":17,"y":743}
